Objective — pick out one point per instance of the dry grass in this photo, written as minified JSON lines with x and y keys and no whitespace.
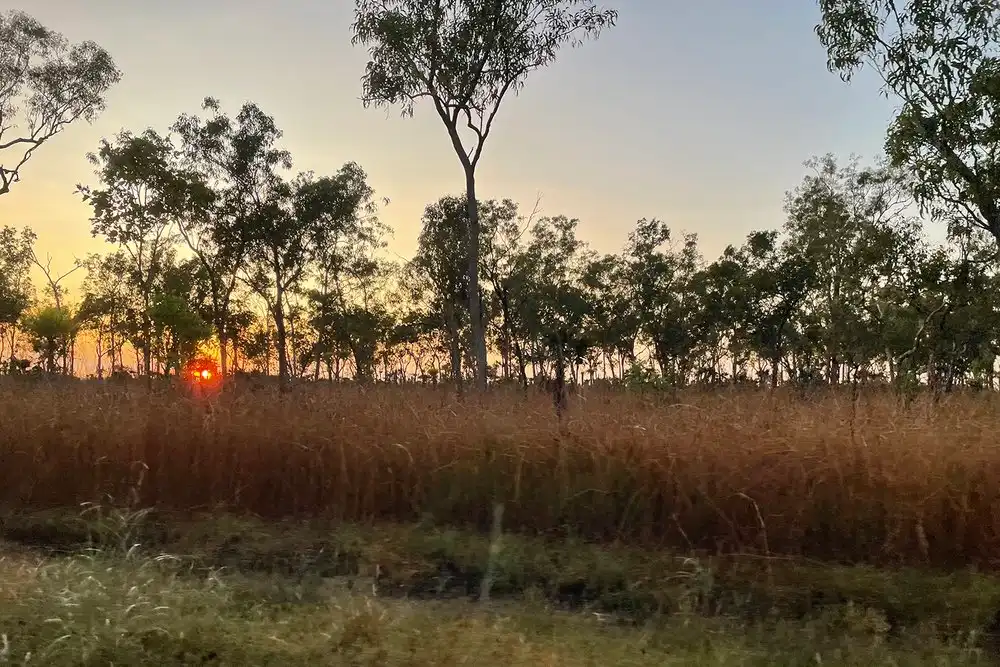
{"x":724,"y":472}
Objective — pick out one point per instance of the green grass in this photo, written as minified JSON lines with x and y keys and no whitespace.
{"x":91,"y":589}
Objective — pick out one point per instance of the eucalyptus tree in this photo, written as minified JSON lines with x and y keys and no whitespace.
{"x":408,"y":342}
{"x":941,"y":58}
{"x":437,"y":268}
{"x":500,"y":265}
{"x":728,"y":300}
{"x":177,"y":313}
{"x":108,"y":307}
{"x":548,"y":297}
{"x":239,"y":167}
{"x":348,"y":272}
{"x":287,"y":233}
{"x":356,"y":320}
{"x":16,"y":252}
{"x":466,"y":57}
{"x":849,"y":224}
{"x":438,"y":263}
{"x":54,"y":281}
{"x":366,"y":315}
{"x":614,"y":320}
{"x":49,"y":83}
{"x":365,"y":330}
{"x":256,"y":346}
{"x":778,"y":281}
{"x":660,"y":272}
{"x":953,"y":316}
{"x":139,"y":198}
{"x":51,"y":330}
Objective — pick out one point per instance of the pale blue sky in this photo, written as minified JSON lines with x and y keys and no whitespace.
{"x":699,"y":113}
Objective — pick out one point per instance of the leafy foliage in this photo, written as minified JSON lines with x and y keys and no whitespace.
{"x":942,"y":59}
{"x":49,"y":83}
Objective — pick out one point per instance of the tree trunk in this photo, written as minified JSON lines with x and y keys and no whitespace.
{"x":559,"y":386}
{"x":220,"y":307}
{"x":475,"y":303}
{"x":453,"y":347}
{"x":513,"y":343}
{"x":99,"y":349}
{"x":147,"y":346}
{"x":223,"y":351}
{"x":281,"y":337}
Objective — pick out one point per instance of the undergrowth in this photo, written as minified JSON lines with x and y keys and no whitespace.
{"x":234,"y":591}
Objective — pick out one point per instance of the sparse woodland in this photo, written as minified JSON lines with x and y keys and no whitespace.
{"x":824,"y":388}
{"x":223,"y":248}
{"x":783,"y":455}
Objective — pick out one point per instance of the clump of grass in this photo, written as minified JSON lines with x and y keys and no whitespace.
{"x":86,"y":607}
{"x":727,"y":472}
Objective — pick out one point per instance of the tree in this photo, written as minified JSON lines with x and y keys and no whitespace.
{"x":238,"y":162}
{"x":352,"y":276}
{"x":178,"y":329}
{"x":287,"y":234}
{"x":347,"y":273}
{"x":439,"y":262}
{"x":661,"y":276}
{"x":54,"y":279}
{"x":614,"y":318}
{"x":438,"y":265}
{"x":942,"y":60}
{"x":135,"y":209}
{"x":849,"y":225}
{"x":547,"y":299}
{"x":16,"y":253}
{"x":466,"y":56}
{"x":779,"y":280}
{"x":502,"y":269}
{"x":109,"y":308}
{"x":50,"y":82}
{"x":51,"y":330}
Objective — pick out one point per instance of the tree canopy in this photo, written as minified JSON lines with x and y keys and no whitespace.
{"x":46,"y":84}
{"x":942,"y":59}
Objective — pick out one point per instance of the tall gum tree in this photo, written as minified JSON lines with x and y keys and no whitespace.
{"x":466,"y":56}
{"x":438,"y":262}
{"x":942,"y":59}
{"x":49,"y":84}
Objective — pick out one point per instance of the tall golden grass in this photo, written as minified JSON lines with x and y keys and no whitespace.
{"x":869,"y":480}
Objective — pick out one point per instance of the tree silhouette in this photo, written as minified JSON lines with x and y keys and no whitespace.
{"x":466,"y":56}
{"x":49,"y":83}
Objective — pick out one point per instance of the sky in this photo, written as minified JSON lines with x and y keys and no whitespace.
{"x":700,"y":114}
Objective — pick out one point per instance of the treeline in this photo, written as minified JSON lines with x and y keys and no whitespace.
{"x":221,"y":249}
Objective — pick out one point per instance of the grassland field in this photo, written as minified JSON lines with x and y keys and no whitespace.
{"x":339,"y":525}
